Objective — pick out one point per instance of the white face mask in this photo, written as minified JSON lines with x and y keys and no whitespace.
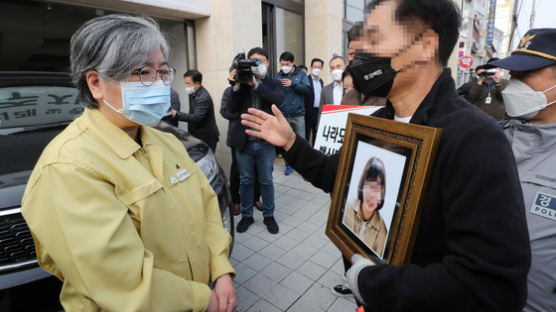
{"x":316,"y":72}
{"x":522,"y":101}
{"x":287,"y":69}
{"x":337,"y":74}
{"x":259,"y":71}
{"x":190,"y":90}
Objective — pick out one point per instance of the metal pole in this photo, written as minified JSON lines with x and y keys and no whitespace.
{"x":532,"y":21}
{"x":514,"y":26}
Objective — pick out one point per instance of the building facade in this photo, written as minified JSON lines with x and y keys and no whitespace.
{"x":203,"y":34}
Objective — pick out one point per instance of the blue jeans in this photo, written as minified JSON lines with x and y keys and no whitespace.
{"x":260,"y":154}
{"x":298,"y":125}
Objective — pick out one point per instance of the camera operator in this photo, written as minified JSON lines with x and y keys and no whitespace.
{"x":253,"y":88}
{"x":486,"y":91}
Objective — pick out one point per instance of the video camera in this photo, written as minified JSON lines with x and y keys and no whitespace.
{"x":243,"y":67}
{"x":488,"y":73}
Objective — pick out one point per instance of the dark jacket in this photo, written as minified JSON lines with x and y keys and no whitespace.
{"x":472,"y":249}
{"x":294,"y":96}
{"x":311,"y":112}
{"x":174,"y":105}
{"x":463,"y":90}
{"x":232,"y":118}
{"x":201,"y":121}
{"x":270,"y":92}
{"x":479,"y":93}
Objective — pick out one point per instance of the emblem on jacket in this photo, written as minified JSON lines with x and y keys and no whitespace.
{"x":180,"y":176}
{"x":526,"y":41}
{"x":544,"y":206}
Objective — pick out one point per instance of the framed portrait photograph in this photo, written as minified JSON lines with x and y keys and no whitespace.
{"x":381,"y":184}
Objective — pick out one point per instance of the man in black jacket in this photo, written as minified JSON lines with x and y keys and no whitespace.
{"x":252,"y":152}
{"x":471,"y":251}
{"x":200,"y":120}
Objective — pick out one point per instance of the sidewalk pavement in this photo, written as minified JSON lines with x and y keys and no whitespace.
{"x":295,"y":269}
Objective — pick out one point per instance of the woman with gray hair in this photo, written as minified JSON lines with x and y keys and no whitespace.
{"x":118,"y":210}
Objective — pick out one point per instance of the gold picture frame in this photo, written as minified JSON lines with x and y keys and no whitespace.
{"x":381,"y":184}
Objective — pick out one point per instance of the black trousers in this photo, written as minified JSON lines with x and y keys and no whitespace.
{"x":311,"y":123}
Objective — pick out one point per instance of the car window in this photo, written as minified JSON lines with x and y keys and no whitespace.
{"x":30,"y":117}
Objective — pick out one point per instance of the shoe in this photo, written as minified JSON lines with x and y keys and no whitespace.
{"x":271,"y":225}
{"x":259,"y":205}
{"x":236,"y":209}
{"x":288,"y":171}
{"x":342,"y":290}
{"x":244,"y":224}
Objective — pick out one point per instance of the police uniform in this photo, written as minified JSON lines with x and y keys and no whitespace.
{"x":534,"y":147}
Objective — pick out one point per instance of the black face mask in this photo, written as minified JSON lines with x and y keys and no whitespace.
{"x":372,"y":75}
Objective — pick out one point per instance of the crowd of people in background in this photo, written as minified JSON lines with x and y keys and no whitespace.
{"x":300,"y":93}
{"x":487,"y":233}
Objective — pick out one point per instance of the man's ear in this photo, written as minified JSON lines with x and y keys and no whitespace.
{"x":429,"y":47}
{"x":95,"y":84}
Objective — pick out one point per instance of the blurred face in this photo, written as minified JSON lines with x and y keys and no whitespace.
{"x":354,"y":46}
{"x":260,"y":57}
{"x":337,"y":64}
{"x":541,"y":80}
{"x":286,"y":63}
{"x":190,"y":83}
{"x":410,"y":45}
{"x":372,"y":196}
{"x":348,"y":83}
{"x":316,"y":65}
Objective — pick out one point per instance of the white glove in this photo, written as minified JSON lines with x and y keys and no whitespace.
{"x":358,"y":263}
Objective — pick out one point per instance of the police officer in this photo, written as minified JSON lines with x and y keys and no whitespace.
{"x":529,"y":99}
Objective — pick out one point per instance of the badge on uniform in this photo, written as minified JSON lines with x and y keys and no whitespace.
{"x":488,"y":99}
{"x":544,"y":206}
{"x":180,"y":176}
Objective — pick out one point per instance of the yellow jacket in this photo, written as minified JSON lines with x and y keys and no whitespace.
{"x":125,"y":228}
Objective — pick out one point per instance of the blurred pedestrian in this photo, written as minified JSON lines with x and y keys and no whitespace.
{"x":312,"y":100}
{"x":355,"y":40}
{"x":530,"y":100}
{"x":333,"y":92}
{"x":200,"y":120}
{"x":234,"y":123}
{"x":465,"y":256}
{"x":486,"y":91}
{"x":254,"y":156}
{"x":296,"y":87}
{"x":174,"y":105}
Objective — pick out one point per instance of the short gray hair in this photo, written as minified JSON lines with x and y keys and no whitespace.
{"x":335,"y":57}
{"x":113,"y":45}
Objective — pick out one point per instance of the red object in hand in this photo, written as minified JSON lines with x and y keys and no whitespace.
{"x":360,"y":309}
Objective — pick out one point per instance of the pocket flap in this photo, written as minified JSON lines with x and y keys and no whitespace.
{"x":140,"y":192}
{"x":539,"y":179}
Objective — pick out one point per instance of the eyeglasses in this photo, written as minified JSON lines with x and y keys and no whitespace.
{"x":148,"y":75}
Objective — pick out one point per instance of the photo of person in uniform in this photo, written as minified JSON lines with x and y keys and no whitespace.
{"x":361,"y":214}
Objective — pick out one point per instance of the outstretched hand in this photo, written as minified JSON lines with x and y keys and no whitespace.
{"x":274,"y":129}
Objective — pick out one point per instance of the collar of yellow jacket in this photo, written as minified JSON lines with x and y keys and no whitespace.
{"x":119,"y":141}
